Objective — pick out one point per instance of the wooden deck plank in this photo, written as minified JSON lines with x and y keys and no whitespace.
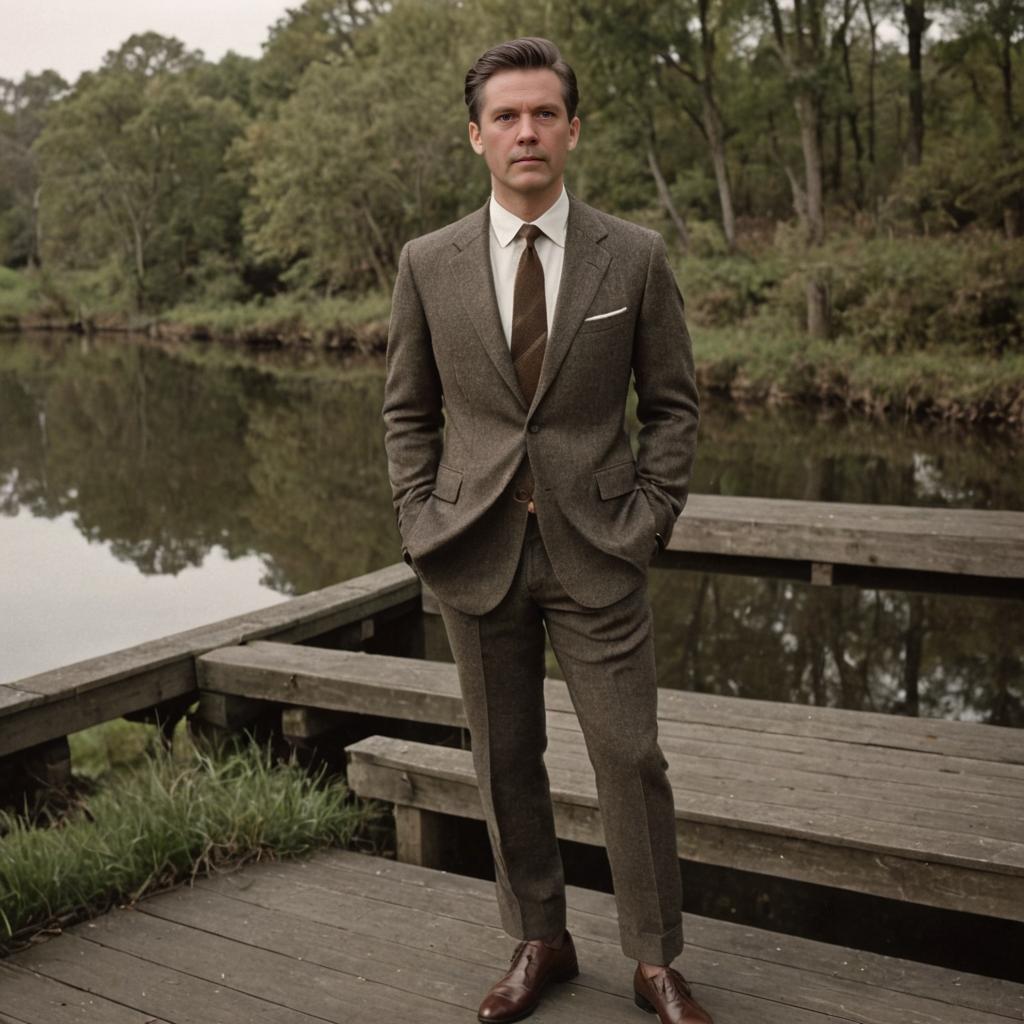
{"x":429,"y":691}
{"x":36,"y":999}
{"x":347,"y":937}
{"x":958,"y":541}
{"x":407,"y":688}
{"x":152,"y":986}
{"x":370,"y":902}
{"x":994,"y":995}
{"x":967,"y":739}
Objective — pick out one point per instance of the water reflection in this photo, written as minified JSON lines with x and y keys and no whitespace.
{"x":165,"y":453}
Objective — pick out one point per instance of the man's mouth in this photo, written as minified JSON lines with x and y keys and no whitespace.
{"x":527,"y":160}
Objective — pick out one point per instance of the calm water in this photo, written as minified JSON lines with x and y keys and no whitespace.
{"x":145,"y":489}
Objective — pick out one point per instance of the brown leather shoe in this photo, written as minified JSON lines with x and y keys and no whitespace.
{"x":534,"y":966}
{"x":668,"y":995}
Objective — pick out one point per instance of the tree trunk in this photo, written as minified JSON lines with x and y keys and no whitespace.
{"x":713,"y":128}
{"x":917,"y":25}
{"x":872,"y":67}
{"x":808,"y":114}
{"x":666,"y":198}
{"x":819,"y":303}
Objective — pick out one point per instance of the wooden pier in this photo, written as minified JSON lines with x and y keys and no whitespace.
{"x":347,"y":938}
{"x":916,"y":810}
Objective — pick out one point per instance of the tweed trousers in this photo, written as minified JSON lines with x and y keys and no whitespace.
{"x":607,"y":658}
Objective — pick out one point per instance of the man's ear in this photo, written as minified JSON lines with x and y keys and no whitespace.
{"x":474,"y":138}
{"x":574,"y":132}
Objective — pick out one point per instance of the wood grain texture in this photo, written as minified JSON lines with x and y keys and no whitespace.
{"x":347,"y":937}
{"x":927,"y":863}
{"x":956,"y":541}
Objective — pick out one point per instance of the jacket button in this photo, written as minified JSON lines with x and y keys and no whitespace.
{"x":534,"y":427}
{"x":522,"y":494}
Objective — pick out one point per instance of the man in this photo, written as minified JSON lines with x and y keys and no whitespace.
{"x":516,"y":330}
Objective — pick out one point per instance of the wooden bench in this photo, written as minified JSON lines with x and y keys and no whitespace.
{"x":957,"y":551}
{"x":343,"y":936}
{"x":923,"y":810}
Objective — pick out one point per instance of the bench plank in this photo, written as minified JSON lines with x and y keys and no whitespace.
{"x":974,"y":542}
{"x":948,"y":870}
{"x":76,"y":696}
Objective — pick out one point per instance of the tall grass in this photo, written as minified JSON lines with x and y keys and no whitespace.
{"x":164,"y":820}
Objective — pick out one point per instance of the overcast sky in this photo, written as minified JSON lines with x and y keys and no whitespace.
{"x":72,"y":36}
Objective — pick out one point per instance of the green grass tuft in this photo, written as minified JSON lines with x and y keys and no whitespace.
{"x":165,"y":819}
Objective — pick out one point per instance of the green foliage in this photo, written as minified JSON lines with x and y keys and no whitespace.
{"x":132,"y":168}
{"x":165,"y":821}
{"x":905,"y":294}
{"x":369,"y":150}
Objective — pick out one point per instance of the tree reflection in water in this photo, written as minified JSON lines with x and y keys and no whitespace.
{"x":165,"y":451}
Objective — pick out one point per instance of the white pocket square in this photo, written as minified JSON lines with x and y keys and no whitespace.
{"x":604,"y":316}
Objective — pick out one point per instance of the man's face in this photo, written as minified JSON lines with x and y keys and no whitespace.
{"x":524,"y":134}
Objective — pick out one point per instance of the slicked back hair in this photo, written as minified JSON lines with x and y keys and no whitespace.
{"x":518,"y":55}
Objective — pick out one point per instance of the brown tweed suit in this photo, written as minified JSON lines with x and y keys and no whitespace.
{"x":458,"y":434}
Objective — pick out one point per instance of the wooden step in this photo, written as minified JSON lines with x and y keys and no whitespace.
{"x":942,"y":859}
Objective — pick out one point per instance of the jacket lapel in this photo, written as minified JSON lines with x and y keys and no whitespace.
{"x":473,"y":282}
{"x":584,"y":266}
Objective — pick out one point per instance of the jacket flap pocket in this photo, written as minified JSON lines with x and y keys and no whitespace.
{"x":447,"y":483}
{"x":616,"y":480}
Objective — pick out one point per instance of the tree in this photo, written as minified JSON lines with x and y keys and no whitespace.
{"x":800,"y":43}
{"x":368,"y":151}
{"x":131,"y":168}
{"x":23,"y":108}
{"x":917,"y":23}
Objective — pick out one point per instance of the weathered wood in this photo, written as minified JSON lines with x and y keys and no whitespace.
{"x":821,"y":574}
{"x":954,"y":541}
{"x":407,"y":885}
{"x":384,"y":900}
{"x":31,"y":998}
{"x":937,"y":868}
{"x":76,"y":696}
{"x":371,"y":684}
{"x":302,"y":724}
{"x":344,"y":936}
{"x":419,"y":836}
{"x":228,"y":711}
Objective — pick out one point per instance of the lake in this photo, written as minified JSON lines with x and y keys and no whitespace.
{"x":146,"y":488}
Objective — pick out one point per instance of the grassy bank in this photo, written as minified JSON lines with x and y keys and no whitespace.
{"x":922,"y":327}
{"x":156,"y":818}
{"x":765,"y":364}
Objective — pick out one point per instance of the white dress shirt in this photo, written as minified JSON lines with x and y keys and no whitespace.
{"x":506,"y":250}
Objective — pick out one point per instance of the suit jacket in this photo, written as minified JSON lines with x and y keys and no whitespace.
{"x":457,"y":427}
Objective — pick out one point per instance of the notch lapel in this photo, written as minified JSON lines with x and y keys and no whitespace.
{"x":585,"y":264}
{"x":473,"y":282}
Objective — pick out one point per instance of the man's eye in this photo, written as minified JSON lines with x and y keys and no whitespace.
{"x":505,"y":117}
{"x":546,"y":113}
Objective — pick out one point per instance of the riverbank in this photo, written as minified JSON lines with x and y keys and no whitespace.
{"x":922,"y":328}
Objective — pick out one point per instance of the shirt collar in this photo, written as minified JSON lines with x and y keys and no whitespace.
{"x":552,"y":221}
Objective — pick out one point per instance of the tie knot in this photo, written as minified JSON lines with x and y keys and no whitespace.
{"x":531,"y":233}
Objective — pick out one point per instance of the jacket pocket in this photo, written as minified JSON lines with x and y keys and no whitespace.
{"x":447,"y":483}
{"x":614,"y":481}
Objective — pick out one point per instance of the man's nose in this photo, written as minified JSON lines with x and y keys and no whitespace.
{"x":527,"y":132}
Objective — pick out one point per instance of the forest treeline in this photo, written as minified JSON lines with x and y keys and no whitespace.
{"x":858,"y":164}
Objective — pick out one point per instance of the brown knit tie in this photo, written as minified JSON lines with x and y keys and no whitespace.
{"x":529,"y":315}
